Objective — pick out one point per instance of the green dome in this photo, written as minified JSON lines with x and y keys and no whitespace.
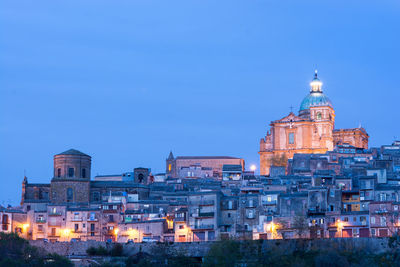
{"x":315,"y":99}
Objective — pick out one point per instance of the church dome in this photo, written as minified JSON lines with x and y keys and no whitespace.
{"x":316,"y":98}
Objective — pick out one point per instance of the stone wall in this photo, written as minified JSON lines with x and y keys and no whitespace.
{"x":374,"y":245}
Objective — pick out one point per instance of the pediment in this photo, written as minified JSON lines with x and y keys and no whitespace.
{"x":289,"y":118}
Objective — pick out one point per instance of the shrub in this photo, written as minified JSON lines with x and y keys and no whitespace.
{"x":117,"y":250}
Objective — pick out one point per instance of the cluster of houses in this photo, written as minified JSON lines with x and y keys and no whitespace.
{"x":346,"y":192}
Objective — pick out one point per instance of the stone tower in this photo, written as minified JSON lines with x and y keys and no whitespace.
{"x":170,"y":169}
{"x":71,"y":178}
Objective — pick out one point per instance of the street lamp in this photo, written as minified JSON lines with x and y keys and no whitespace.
{"x":253,"y":168}
{"x":116,"y":230}
{"x":340,"y":227}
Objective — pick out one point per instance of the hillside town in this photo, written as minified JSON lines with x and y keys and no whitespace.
{"x":315,"y":182}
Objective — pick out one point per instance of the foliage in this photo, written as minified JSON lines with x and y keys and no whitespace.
{"x":296,"y":253}
{"x":16,"y":251}
{"x":300,"y":225}
{"x":97,"y":251}
{"x":117,"y":250}
{"x":224,"y":253}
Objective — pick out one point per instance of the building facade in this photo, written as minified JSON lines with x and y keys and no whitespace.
{"x":312,"y":131}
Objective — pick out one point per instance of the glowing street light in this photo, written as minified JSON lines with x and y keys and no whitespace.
{"x":67,"y":232}
{"x":340,"y":226}
{"x":25,"y":227}
{"x":253,"y":168}
{"x":116,"y":230}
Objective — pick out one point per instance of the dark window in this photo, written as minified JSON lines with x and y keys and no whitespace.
{"x":92,"y":227}
{"x":70,"y":194}
{"x":59,"y":172}
{"x":5,"y":222}
{"x":76,"y":227}
{"x":291,"y":138}
{"x":71,"y":172}
{"x":140,"y":178}
{"x":83,"y":173}
{"x":96,"y":196}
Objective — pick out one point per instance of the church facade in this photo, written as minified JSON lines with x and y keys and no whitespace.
{"x":312,"y":131}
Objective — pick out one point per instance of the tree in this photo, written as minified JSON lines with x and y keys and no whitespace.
{"x":223,"y":253}
{"x":300,"y":224}
{"x":16,"y":251}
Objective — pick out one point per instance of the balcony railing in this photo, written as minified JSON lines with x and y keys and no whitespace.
{"x":40,"y":220}
{"x":202,"y":203}
{"x":179,"y":219}
{"x":272,"y":202}
{"x":206,"y":214}
{"x":55,"y":213}
{"x":54,"y":223}
{"x":75,"y":219}
{"x":203,"y":226}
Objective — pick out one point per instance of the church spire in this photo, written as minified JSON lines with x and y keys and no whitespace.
{"x":316,"y":84}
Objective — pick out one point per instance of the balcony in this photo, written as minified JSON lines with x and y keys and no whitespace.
{"x":40,"y":220}
{"x":272,"y":202}
{"x":206,"y":214}
{"x":57,"y":224}
{"x":54,"y":235}
{"x":55,"y":213}
{"x":76,"y":219}
{"x":383,"y":211}
{"x":203,"y":227}
{"x":92,"y":219}
{"x":314,"y":212}
{"x":179,"y":219}
{"x":202,"y":203}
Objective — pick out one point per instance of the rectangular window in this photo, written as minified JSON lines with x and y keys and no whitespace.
{"x":59,"y":172}
{"x":291,"y":138}
{"x":76,"y":227}
{"x":92,"y":227}
{"x":83,"y":173}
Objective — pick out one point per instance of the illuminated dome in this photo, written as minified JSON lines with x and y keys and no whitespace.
{"x":316,"y":98}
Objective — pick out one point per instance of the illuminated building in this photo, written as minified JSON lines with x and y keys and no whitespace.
{"x":312,"y":131}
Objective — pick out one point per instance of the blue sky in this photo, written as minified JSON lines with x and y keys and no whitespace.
{"x":128,"y":81}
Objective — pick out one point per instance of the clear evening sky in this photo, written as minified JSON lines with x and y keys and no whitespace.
{"x":128,"y":81}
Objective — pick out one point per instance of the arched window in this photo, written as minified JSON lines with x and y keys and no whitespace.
{"x":319,"y":116}
{"x":71,"y":172}
{"x":70,"y":194}
{"x":59,"y":172}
